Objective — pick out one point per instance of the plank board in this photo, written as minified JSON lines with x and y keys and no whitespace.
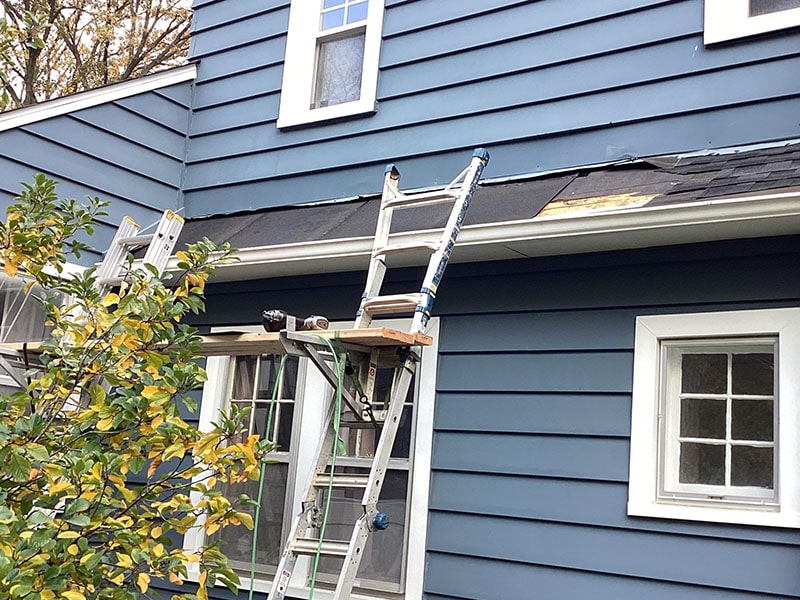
{"x":236,"y":343}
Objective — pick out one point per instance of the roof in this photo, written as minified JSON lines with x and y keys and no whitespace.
{"x":656,"y":187}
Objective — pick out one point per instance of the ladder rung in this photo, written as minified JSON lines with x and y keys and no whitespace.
{"x":393,"y":304}
{"x":136,"y":240}
{"x":309,"y":547}
{"x":407,"y":200}
{"x":341,"y":480}
{"x":406,"y":247}
{"x":110,"y":281}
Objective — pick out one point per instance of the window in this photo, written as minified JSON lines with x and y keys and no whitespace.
{"x":714,"y":429}
{"x":731,"y":19}
{"x":393,"y":560}
{"x":331,"y":65}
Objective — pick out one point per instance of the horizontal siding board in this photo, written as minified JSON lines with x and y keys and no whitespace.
{"x":579,"y":502}
{"x":236,"y":88}
{"x":214,"y":15}
{"x":702,"y":92}
{"x":683,"y":282}
{"x":449,"y":577}
{"x":559,"y":330}
{"x":754,"y":123}
{"x":499,"y":63}
{"x":222,"y":118}
{"x":65,"y":163}
{"x":243,"y":59}
{"x":119,"y":123}
{"x":239,"y":33}
{"x":180,"y":93}
{"x":519,"y":20}
{"x":608,"y":372}
{"x":73,"y":134}
{"x":406,"y":16}
{"x":602,"y":459}
{"x":582,"y":414}
{"x":158,"y":109}
{"x":738,"y":565}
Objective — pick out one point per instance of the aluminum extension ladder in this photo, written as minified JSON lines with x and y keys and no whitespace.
{"x":111,"y":271}
{"x":304,"y":537}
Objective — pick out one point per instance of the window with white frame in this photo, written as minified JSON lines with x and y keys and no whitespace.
{"x":392,"y":563}
{"x":715,"y":429}
{"x":732,"y":19}
{"x":330,"y":69}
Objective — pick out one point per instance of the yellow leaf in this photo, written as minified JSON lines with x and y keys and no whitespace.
{"x":143,"y":582}
{"x":47,"y":595}
{"x":124,"y":561}
{"x":73,"y":549}
{"x":72,"y":595}
{"x":105,"y":424}
{"x":175,"y":578}
{"x":10,"y":268}
{"x":202,"y":593}
{"x":110,"y":299}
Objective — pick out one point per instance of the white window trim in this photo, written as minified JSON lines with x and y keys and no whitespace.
{"x":315,"y":393}
{"x":644,"y":452}
{"x":730,"y":19}
{"x":299,"y":67}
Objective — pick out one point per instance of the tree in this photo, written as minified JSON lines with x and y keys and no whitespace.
{"x":97,"y":466}
{"x":58,"y":47}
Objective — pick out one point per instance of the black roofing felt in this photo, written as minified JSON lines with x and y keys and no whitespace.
{"x":668,"y":179}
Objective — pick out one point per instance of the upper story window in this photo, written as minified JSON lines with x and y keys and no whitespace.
{"x":731,"y":19}
{"x":714,"y":427}
{"x":331,"y":65}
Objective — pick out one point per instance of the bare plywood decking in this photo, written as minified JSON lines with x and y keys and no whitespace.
{"x":237,"y":343}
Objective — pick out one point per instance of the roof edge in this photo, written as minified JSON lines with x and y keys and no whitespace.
{"x":713,"y":220}
{"x":108,"y":93}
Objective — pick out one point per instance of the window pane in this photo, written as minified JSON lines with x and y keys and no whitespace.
{"x":752,"y":420}
{"x":244,"y":374}
{"x":703,"y":418}
{"x":334,"y":18}
{"x":763,"y":7}
{"x":332,"y":3}
{"x":752,"y":466}
{"x":357,"y":12}
{"x":237,"y":540}
{"x":704,"y":373}
{"x":753,"y":374}
{"x":339,"y":66}
{"x":383,"y":555}
{"x":702,"y":463}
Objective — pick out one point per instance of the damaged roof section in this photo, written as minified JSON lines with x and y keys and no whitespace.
{"x":659,"y":181}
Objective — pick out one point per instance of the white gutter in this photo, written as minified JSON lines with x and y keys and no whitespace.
{"x":730,"y":218}
{"x":95,"y":97}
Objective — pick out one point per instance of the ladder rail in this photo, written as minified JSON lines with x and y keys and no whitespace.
{"x":416,"y":304}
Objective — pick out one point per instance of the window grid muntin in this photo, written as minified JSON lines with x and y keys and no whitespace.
{"x":330,"y":7}
{"x":669,"y":486}
{"x":258,"y":399}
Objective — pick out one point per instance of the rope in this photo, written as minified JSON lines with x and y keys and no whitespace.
{"x":339,"y":364}
{"x":261,"y":477}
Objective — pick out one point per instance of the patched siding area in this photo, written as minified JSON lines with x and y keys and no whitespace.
{"x":531,"y":443}
{"x":129,"y":151}
{"x":543,"y":85}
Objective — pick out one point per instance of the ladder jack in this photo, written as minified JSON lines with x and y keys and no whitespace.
{"x":358,"y":407}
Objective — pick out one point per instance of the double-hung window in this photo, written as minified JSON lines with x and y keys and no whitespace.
{"x":393,"y":559}
{"x":731,"y":19}
{"x":331,"y":65}
{"x":716,"y":403}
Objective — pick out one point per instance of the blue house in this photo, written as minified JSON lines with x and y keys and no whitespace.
{"x":610,"y":408}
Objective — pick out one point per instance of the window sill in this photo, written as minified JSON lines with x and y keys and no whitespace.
{"x":338,"y":112}
{"x":760,"y":516}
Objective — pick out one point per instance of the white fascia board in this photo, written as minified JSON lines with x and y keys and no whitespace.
{"x":95,"y":97}
{"x":734,"y":218}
